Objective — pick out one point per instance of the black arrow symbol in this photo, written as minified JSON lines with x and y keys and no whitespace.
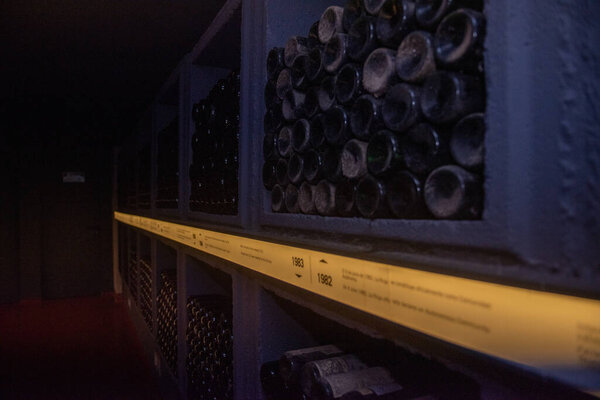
{"x":299,"y":276}
{"x":323,"y":261}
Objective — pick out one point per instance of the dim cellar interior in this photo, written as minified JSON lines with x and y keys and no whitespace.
{"x":368,"y":199}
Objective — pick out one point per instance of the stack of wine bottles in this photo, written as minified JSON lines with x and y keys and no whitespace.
{"x":144,"y":178}
{"x":378,"y":112}
{"x":214,"y":168}
{"x":167,"y":318}
{"x":133,"y":272}
{"x":145,"y":283}
{"x":327,"y":372}
{"x":209,"y":340}
{"x":168,"y":166}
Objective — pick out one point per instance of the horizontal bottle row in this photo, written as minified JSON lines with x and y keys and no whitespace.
{"x":145,"y":286}
{"x":214,"y":168}
{"x":330,"y":372}
{"x":209,"y":340}
{"x":373,"y":108}
{"x":167,"y":318}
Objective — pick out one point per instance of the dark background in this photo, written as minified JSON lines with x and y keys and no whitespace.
{"x":75,"y":77}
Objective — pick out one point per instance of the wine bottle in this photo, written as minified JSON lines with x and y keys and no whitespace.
{"x":370,"y":197}
{"x":415,"y":60}
{"x":269,"y":175}
{"x":424,"y":148}
{"x":298,"y":72}
{"x":448,"y":96}
{"x":295,"y":168}
{"x":337,"y":125}
{"x":278,"y":199}
{"x":295,"y":46}
{"x":293,"y":104}
{"x":354,"y":159}
{"x":325,"y":198}
{"x":291,"y":362}
{"x":274,"y":62}
{"x":353,"y":10}
{"x":467,"y":141}
{"x":459,"y":40}
{"x":363,"y":38}
{"x":384,"y":153}
{"x":315,"y":69}
{"x":395,"y":20}
{"x":401,"y":107}
{"x":430,"y":12}
{"x":336,"y":52}
{"x":273,"y":120}
{"x":452,"y":192}
{"x":291,"y":199}
{"x":345,"y":196}
{"x":284,"y":82}
{"x":301,"y":136}
{"x":330,"y":23}
{"x":365,"y":116}
{"x":326,"y":93}
{"x":335,"y":386}
{"x":405,"y":196}
{"x":310,"y":107}
{"x":284,"y":142}
{"x":379,"y":71}
{"x":314,"y":371}
{"x":317,"y":131}
{"x":306,"y":199}
{"x":331,"y":165}
{"x":281,"y":173}
{"x":271,"y":98}
{"x":313,"y":166}
{"x":373,"y":6}
{"x":269,"y":148}
{"x":313,"y":36}
{"x":348,"y":83}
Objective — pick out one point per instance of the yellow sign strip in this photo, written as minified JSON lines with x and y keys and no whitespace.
{"x":556,"y":335}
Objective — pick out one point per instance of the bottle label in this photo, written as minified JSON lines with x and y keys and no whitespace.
{"x":358,"y":380}
{"x":326,"y":350}
{"x":337,"y":365}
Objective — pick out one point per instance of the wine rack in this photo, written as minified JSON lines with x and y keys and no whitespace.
{"x":167,"y":318}
{"x":515,"y":239}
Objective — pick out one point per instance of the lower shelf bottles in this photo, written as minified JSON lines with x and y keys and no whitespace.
{"x":167,"y":318}
{"x":209,"y":340}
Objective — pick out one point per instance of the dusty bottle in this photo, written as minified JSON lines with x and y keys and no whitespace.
{"x":337,"y":125}
{"x":325,"y":198}
{"x":315,"y":69}
{"x":384,"y":153}
{"x":295,"y":46}
{"x":281,"y":174}
{"x":291,"y":362}
{"x":452,"y":192}
{"x":354,"y":159}
{"x":353,"y":10}
{"x":291,"y":199}
{"x":330,"y":23}
{"x":370,"y":197}
{"x":314,"y":371}
{"x":275,"y":62}
{"x":273,"y":120}
{"x":415,"y":59}
{"x":373,"y":6}
{"x":395,"y":20}
{"x":348,"y":83}
{"x":317,"y":131}
{"x":448,"y":96}
{"x":379,"y":71}
{"x":295,"y":168}
{"x":284,"y":142}
{"x":292,"y":106}
{"x":363,"y":38}
{"x":313,"y":166}
{"x":345,"y":195}
{"x":301,"y":136}
{"x":424,"y":148}
{"x":331,"y":165}
{"x":306,"y":198}
{"x":430,"y":12}
{"x":365,"y":116}
{"x":336,"y":52}
{"x":278,"y":199}
{"x":405,"y":196}
{"x":284,"y":82}
{"x":310,"y":107}
{"x":459,"y":40}
{"x":298,"y":72}
{"x":269,"y":175}
{"x":401,"y":107}
{"x":467,"y":142}
{"x":326,"y":93}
